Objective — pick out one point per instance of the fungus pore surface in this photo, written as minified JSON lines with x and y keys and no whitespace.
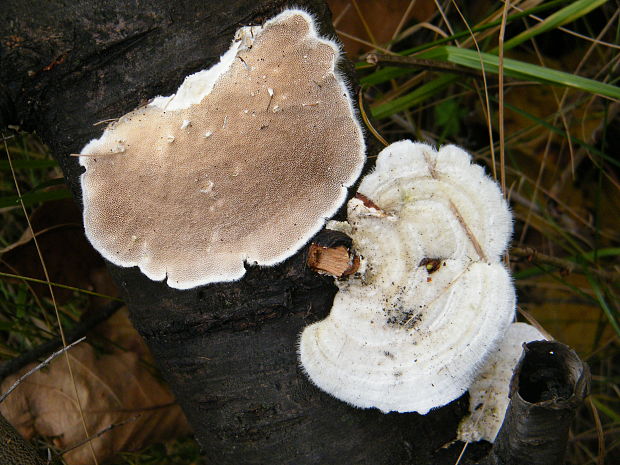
{"x":243,"y":163}
{"x":411,"y":329}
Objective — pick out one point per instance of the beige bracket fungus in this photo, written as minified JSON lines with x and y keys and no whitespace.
{"x":243,"y":164}
{"x":431,"y":298}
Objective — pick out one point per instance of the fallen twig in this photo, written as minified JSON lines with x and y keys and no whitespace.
{"x":413,"y":62}
{"x":38,"y":367}
{"x":564,"y":265}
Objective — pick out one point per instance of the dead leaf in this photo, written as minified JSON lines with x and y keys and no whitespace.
{"x":114,"y":387}
{"x":567,"y":317}
{"x":68,"y":256}
{"x":381,"y":17}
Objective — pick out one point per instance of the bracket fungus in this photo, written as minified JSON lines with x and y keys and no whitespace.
{"x":244,"y":163}
{"x":431,"y":299}
{"x":488,"y":394}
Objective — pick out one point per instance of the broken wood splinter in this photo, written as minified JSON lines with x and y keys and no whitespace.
{"x":336,"y":261}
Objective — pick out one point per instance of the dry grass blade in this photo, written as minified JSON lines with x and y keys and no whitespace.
{"x":563,"y":265}
{"x":535,"y":323}
{"x":363,"y":42}
{"x":366,"y":26}
{"x":487,"y":105}
{"x":360,"y":103}
{"x":445,"y":19}
{"x":462,"y":454}
{"x":468,"y":232}
{"x":403,"y":19}
{"x":78,"y":332}
{"x":502,"y":146}
{"x":63,"y":286}
{"x":561,"y":114}
{"x":51,"y":291}
{"x":423,"y":25}
{"x":599,"y":432}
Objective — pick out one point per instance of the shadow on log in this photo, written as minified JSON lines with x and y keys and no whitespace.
{"x":227,"y":350}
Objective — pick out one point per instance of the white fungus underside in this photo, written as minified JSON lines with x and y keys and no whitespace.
{"x":177,"y":243}
{"x":394,"y":339}
{"x":488,"y":394}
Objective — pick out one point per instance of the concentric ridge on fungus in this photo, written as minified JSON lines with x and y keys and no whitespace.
{"x":431,"y":300}
{"x":243,"y":163}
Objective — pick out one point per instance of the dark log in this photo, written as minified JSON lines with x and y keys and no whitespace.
{"x":549,"y":383}
{"x":227,"y":350}
{"x":14,"y":450}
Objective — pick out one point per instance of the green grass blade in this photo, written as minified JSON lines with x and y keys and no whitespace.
{"x":560,"y":131}
{"x":520,"y":70}
{"x":566,"y":15}
{"x":62,"y":286}
{"x":600,"y":253}
{"x":578,"y":259}
{"x":606,"y":410}
{"x":385,"y":74}
{"x":471,"y":59}
{"x":28,"y":164}
{"x":609,"y":313}
{"x":419,"y":95}
{"x":32,"y":198}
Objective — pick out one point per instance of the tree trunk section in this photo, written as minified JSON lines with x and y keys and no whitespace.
{"x":548,"y":384}
{"x":15,"y":450}
{"x":227,"y":350}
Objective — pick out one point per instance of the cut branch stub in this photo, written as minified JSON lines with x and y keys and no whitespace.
{"x":336,"y":261}
{"x":549,"y":383}
{"x":243,"y":164}
{"x":330,"y":253}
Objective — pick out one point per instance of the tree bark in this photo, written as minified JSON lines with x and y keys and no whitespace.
{"x":14,"y":450}
{"x":227,"y":350}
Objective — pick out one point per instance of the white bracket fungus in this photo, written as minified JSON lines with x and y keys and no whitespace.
{"x":488,"y":394}
{"x":431,"y":299}
{"x":195,"y":184}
